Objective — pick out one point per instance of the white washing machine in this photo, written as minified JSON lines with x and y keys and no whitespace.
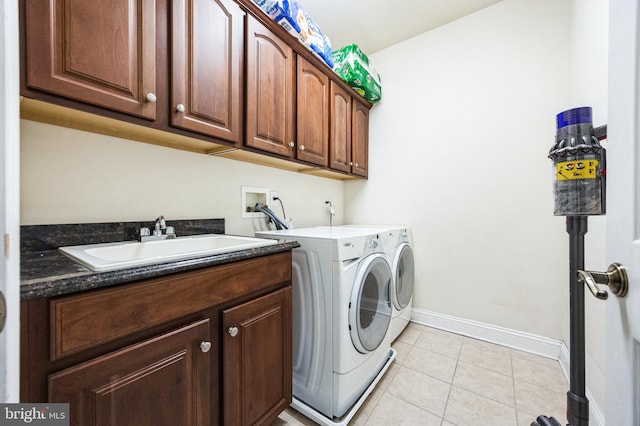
{"x":396,"y":241}
{"x":341,"y":314}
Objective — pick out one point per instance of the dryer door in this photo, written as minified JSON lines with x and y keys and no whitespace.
{"x":370,"y":304}
{"x":404,"y":274}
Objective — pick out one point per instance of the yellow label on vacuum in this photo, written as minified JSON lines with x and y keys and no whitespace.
{"x":578,"y":169}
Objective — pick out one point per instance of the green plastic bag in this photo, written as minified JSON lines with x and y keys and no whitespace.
{"x":353,"y":66}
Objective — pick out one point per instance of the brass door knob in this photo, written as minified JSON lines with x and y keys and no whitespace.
{"x":615,"y":278}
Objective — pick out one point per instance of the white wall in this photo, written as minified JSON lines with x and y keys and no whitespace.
{"x":458,"y":151}
{"x":70,"y":176}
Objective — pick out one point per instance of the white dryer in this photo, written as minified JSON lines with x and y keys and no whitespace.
{"x":341,"y":314}
{"x":403,"y":268}
{"x":396,"y":241}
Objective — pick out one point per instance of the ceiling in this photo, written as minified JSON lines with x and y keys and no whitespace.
{"x":377,"y":24}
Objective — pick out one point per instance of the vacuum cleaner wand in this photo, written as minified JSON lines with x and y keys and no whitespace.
{"x":577,"y":402}
{"x":579,"y":190}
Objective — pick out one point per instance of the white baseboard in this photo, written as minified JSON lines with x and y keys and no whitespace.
{"x":526,"y":342}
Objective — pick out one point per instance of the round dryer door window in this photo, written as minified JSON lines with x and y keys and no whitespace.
{"x":370,"y":307}
{"x":404,"y":269}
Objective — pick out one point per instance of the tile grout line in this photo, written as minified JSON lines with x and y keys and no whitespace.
{"x":413,"y":345}
{"x":455,"y":369}
{"x":513,"y":384}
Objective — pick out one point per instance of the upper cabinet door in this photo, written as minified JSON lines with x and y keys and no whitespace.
{"x":313,"y":114}
{"x":102,"y":53}
{"x":206,"y":70}
{"x":359,"y":139}
{"x":270,"y":91}
{"x":340,"y":135}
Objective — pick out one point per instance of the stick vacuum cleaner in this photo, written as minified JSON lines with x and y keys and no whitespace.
{"x":579,"y":162}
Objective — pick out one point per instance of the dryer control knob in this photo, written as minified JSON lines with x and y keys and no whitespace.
{"x":373,"y":244}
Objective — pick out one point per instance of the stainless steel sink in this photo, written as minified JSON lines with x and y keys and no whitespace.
{"x":126,"y":254}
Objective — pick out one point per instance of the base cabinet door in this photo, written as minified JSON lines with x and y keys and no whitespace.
{"x":162,"y":381}
{"x":257,"y":359}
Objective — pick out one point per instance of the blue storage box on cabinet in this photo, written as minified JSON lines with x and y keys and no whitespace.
{"x":290,"y":15}
{"x":280,"y":12}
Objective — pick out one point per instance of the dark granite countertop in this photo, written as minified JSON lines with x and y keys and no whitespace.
{"x":51,"y":273}
{"x":48,"y":272}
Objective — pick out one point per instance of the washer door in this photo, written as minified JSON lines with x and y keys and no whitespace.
{"x":370,"y":304}
{"x":404,"y":269}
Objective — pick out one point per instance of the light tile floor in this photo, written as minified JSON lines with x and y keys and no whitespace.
{"x":445,"y":379}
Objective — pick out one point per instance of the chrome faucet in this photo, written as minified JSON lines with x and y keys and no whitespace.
{"x":161,"y":225}
{"x":160,"y":232}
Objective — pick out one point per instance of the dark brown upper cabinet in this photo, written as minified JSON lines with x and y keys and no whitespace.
{"x":271,"y":66}
{"x":312,"y":138}
{"x":206,"y":67}
{"x":102,"y":53}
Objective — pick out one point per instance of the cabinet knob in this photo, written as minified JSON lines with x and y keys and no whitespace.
{"x":301,"y":147}
{"x":180,"y":108}
{"x":205,"y":346}
{"x":356,"y":164}
{"x":151,"y":97}
{"x":351,"y":163}
{"x":292,"y":144}
{"x":233,"y":331}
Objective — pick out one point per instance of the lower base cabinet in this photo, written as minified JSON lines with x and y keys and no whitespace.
{"x":257,"y":372}
{"x":162,"y":381}
{"x":200,"y":348}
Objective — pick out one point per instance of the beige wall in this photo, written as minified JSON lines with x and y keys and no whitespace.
{"x":458,"y":152}
{"x":69,"y":176}
{"x":459,"y":149}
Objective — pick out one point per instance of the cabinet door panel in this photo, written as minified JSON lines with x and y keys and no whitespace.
{"x":360,"y":139}
{"x":270,"y":91}
{"x":162,"y":381}
{"x":340,"y":136}
{"x":257,"y":359}
{"x":207,"y":37}
{"x":313,"y":114}
{"x":102,"y":53}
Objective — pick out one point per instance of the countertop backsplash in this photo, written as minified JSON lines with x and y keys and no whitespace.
{"x":37,"y":238}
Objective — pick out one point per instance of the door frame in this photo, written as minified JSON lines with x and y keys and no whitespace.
{"x":10,"y":201}
{"x":623,"y":134}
